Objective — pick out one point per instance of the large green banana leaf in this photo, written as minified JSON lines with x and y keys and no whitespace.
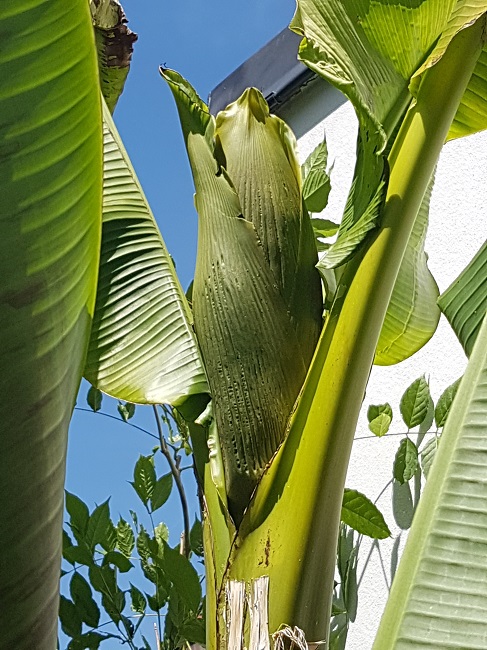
{"x":50,"y":225}
{"x":142,"y":347}
{"x":439,"y":594}
{"x":260,"y":156}
{"x":256,"y":253}
{"x":464,"y":303}
{"x":349,"y":44}
{"x":412,"y":316}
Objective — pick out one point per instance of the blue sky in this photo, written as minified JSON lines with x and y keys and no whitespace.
{"x":205,"y":42}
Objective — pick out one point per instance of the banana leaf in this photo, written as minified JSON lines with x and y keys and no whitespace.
{"x":114,"y":46}
{"x":439,"y":594}
{"x":50,"y":224}
{"x":255,"y":264}
{"x":142,"y":347}
{"x":413,"y":314}
{"x":464,"y":303}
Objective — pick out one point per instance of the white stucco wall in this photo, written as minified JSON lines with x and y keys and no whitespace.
{"x":458,"y":227}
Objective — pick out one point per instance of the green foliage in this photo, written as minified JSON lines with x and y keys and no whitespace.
{"x":345,"y":597}
{"x":445,"y":402}
{"x":406,"y":461}
{"x":362,"y":515}
{"x":127,"y":410}
{"x":144,"y":478}
{"x":126,"y":570}
{"x":316,"y":185}
{"x":196,"y":538}
{"x":161,"y":492}
{"x":380,"y":418}
{"x":94,"y":398}
{"x":415,"y":403}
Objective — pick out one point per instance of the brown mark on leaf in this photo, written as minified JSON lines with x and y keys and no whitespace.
{"x":115,"y":45}
{"x":110,"y":21}
{"x":267,"y":550}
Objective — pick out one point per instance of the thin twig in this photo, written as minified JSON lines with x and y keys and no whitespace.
{"x":177,"y":479}
{"x":113,"y":417}
{"x":388,"y":435}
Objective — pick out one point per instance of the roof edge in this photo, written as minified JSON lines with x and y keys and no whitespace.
{"x":274,"y":70}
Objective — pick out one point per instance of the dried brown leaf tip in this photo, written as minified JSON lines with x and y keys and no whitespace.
{"x":114,"y":45}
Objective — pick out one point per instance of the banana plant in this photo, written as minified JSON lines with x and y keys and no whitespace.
{"x":408,"y":103}
{"x":88,"y":286}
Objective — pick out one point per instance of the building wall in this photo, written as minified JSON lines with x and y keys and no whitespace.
{"x":458,"y":227}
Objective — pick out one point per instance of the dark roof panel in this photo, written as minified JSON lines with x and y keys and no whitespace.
{"x":274,"y":70}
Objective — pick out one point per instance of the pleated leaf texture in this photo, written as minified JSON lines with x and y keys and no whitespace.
{"x":413,"y":314}
{"x":50,"y":224}
{"x":464,"y":303}
{"x":142,"y":347}
{"x":350,"y":45}
{"x":257,"y":296}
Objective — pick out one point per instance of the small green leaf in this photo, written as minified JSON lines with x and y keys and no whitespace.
{"x":144,"y":478}
{"x":70,"y":617}
{"x":184,"y":578}
{"x":375,"y":410}
{"x":428,"y":455}
{"x":161,"y":534}
{"x":346,"y":545}
{"x":78,"y":554}
{"x":114,"y":605}
{"x":82,"y":597}
{"x":126,"y":410}
{"x":138,"y":601}
{"x":196,"y":538}
{"x":99,"y":530}
{"x":125,"y":538}
{"x":444,"y":403}
{"x":134,"y":518}
{"x":78,"y":515}
{"x":415,"y":403}
{"x":324,"y":227}
{"x":94,"y":398}
{"x":380,"y":425}
{"x":193,"y":631}
{"x":406,"y":461}
{"x":316,"y":185}
{"x":148,"y":549}
{"x":337,"y":609}
{"x":338,"y":633}
{"x":362,"y":515}
{"x":103,"y":579}
{"x":161,"y":492}
{"x":155,"y":603}
{"x":122,"y":563}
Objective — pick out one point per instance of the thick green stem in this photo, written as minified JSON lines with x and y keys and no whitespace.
{"x":290,"y":531}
